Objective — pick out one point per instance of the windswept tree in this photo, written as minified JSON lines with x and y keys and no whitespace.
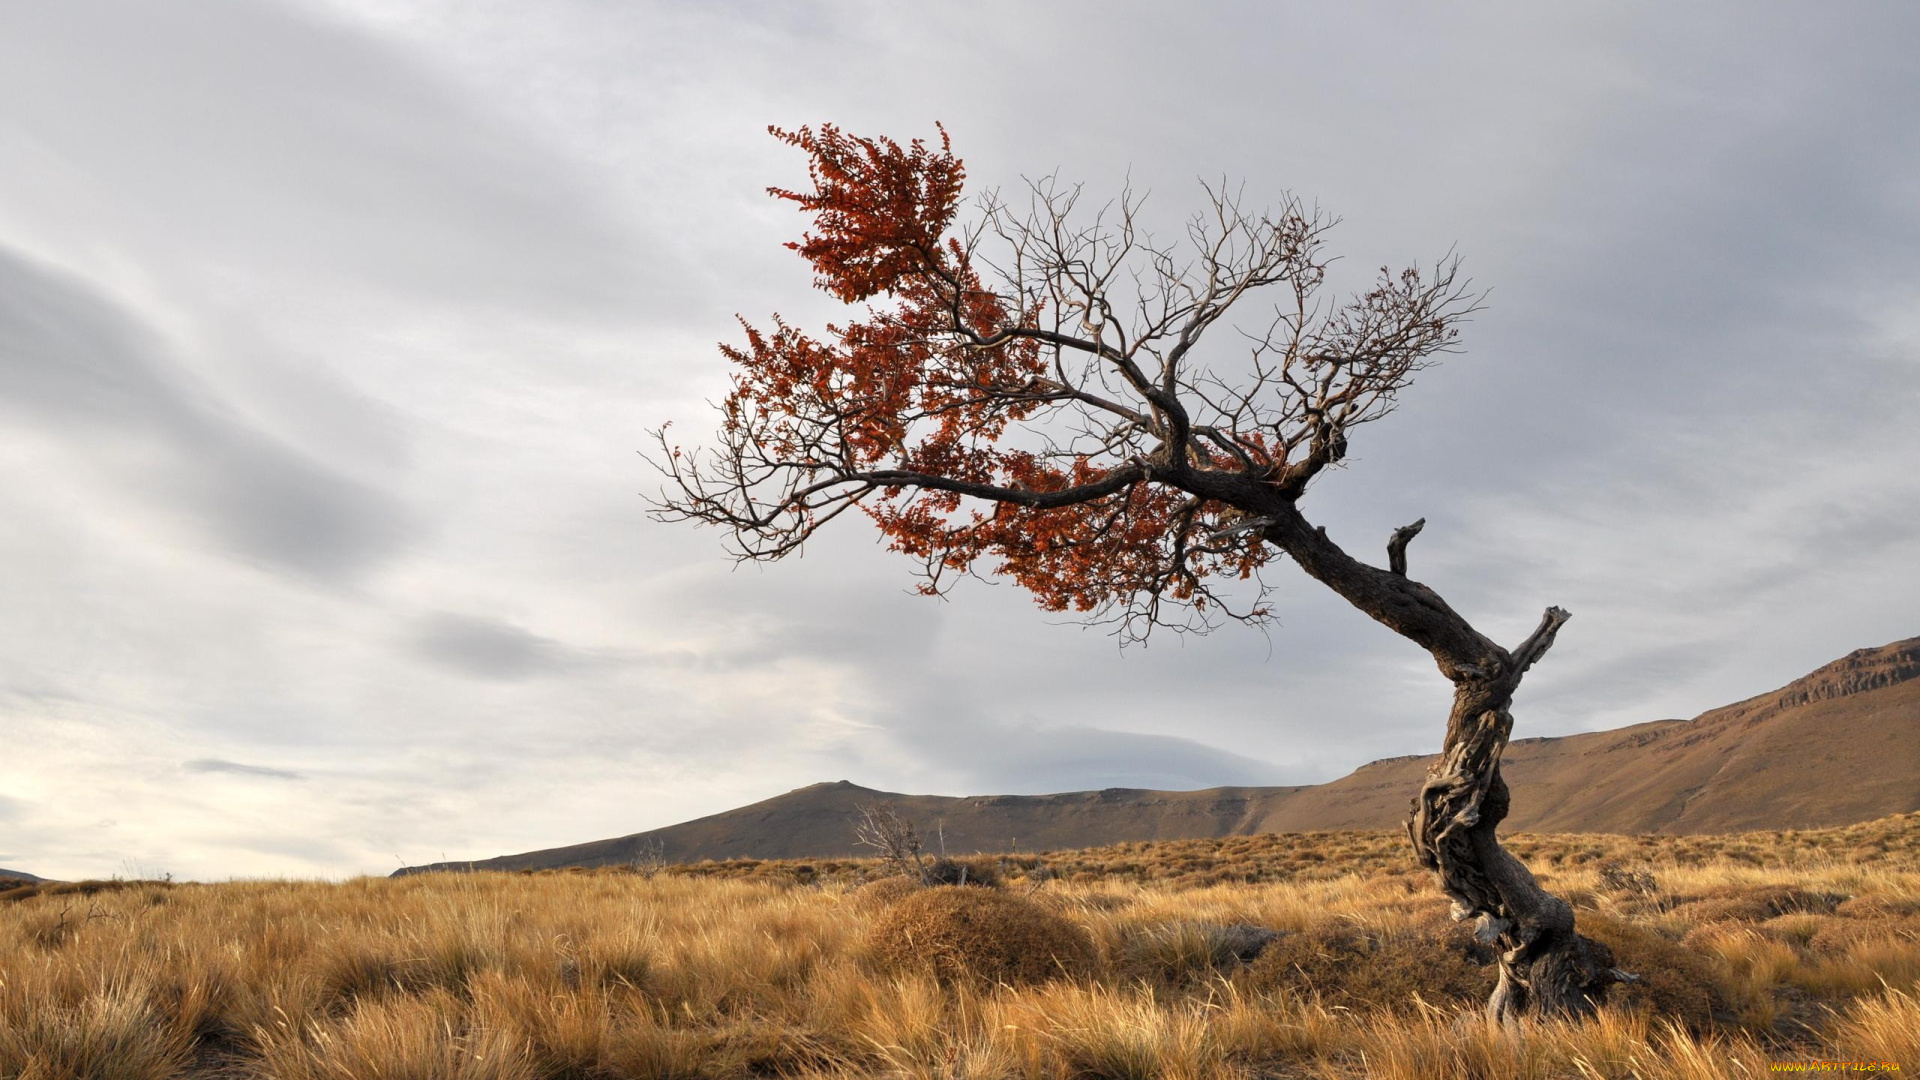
{"x":1029,"y":388}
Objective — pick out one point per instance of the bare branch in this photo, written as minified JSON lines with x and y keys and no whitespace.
{"x":1397,"y":546}
{"x":883,"y":829}
{"x":1249,"y":525}
{"x":1540,"y":640}
{"x":1145,"y":464}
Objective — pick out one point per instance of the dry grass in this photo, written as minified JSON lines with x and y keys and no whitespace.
{"x":1761,"y":947}
{"x":959,"y":932}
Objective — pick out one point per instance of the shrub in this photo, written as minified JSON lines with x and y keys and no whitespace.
{"x":1878,"y":907}
{"x":26,"y":890}
{"x":1676,"y":982}
{"x":1179,"y":953}
{"x":985,"y":934}
{"x":1750,"y":903}
{"x":1352,"y":965}
{"x":1839,"y":935}
{"x":1621,"y":878}
{"x":979,"y":871}
{"x":884,"y":892}
{"x":113,"y":1035}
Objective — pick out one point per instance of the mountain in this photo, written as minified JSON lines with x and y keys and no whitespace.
{"x":18,"y":875}
{"x":1838,"y":746}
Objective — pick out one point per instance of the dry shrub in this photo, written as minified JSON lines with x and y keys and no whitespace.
{"x":884,"y":892}
{"x":1352,"y":965}
{"x":1632,"y":880}
{"x":1706,"y":936}
{"x":1099,"y":1032}
{"x":1087,"y":901}
{"x":982,"y":870}
{"x":1587,"y":898}
{"x":27,"y":890}
{"x":395,"y":1039}
{"x":1796,"y":930}
{"x":986,"y":934}
{"x":346,"y":970}
{"x":1883,"y":1028}
{"x":610,"y":962}
{"x":1676,"y":981}
{"x":115,"y":1036}
{"x":1726,"y":909}
{"x":1839,"y":935}
{"x":1754,"y":903}
{"x":1177,"y":954}
{"x":1871,"y":907}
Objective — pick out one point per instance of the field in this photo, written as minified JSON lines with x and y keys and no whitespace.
{"x":1116,"y":962}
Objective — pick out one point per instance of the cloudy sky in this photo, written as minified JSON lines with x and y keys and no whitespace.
{"x":329,"y":332}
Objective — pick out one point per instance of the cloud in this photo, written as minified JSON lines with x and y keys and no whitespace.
{"x":217,"y":765}
{"x":71,"y":361}
{"x":308,"y":849}
{"x":977,"y":754}
{"x":260,"y":133}
{"x":486,"y":648}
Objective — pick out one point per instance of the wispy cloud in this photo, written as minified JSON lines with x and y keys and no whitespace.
{"x":216,"y":765}
{"x":70,"y":360}
{"x":487,"y":648}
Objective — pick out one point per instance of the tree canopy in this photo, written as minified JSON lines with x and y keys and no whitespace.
{"x":1030,"y":387}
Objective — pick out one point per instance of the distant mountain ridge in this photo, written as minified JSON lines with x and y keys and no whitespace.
{"x":18,"y":875}
{"x":1837,"y":746}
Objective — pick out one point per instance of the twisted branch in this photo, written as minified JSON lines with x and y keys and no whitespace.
{"x":1397,"y":546}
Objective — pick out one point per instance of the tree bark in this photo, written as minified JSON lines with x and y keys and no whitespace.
{"x":1546,"y":967}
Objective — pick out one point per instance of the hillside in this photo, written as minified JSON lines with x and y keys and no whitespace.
{"x":17,"y":875}
{"x":1837,"y":746}
{"x":816,"y":821}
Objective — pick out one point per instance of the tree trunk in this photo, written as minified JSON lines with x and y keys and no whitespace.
{"x":1546,"y":967}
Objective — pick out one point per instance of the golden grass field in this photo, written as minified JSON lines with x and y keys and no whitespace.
{"x":1757,"y":948}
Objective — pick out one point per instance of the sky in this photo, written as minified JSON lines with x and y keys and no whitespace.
{"x":330,"y":333}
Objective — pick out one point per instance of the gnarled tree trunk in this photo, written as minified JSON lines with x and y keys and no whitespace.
{"x":1546,"y":967}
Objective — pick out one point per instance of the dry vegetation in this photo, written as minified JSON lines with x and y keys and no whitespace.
{"x":1130,"y":961}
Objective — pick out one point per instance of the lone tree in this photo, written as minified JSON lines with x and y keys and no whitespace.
{"x":1028,"y":387}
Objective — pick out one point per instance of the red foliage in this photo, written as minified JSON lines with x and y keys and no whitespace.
{"x":906,"y":409}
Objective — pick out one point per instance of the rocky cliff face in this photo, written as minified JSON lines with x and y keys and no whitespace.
{"x":1857,"y":672}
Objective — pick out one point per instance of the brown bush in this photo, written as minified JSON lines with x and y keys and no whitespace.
{"x":1878,"y":906}
{"x":884,"y":892}
{"x":1351,"y":965}
{"x":1176,"y":954}
{"x":1676,"y":982}
{"x":1753,"y":903}
{"x":987,"y":934}
{"x":982,"y":871}
{"x":1631,"y":880}
{"x":1722,"y":910}
{"x":1796,"y":930}
{"x":27,"y":890}
{"x":1838,"y":935}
